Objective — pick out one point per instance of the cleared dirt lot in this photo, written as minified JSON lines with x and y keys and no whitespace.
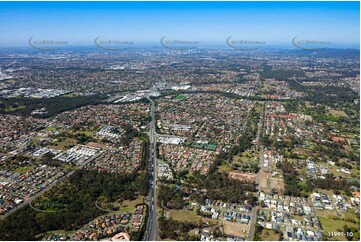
{"x":236,"y":229}
{"x":242,"y":176}
{"x":267,"y":183}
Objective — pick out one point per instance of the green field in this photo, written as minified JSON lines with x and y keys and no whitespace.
{"x":265,"y":86}
{"x":226,"y":168}
{"x":206,"y":146}
{"x":64,"y":144}
{"x":246,"y":156}
{"x":129,"y":205}
{"x":14,"y":108}
{"x":331,"y":225}
{"x":181,"y":97}
{"x":87,"y":133}
{"x":184,"y":215}
{"x":23,"y":169}
{"x":269,"y":235}
{"x":72,"y":94}
{"x":337,"y":113}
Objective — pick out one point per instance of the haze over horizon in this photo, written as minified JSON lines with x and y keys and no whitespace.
{"x":210,"y":23}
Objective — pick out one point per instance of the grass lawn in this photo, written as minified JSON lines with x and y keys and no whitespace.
{"x":350,"y":215}
{"x":51,"y":128}
{"x":259,"y":108}
{"x":211,"y":147}
{"x":324,"y":213}
{"x":246,"y":156}
{"x":87,"y":133}
{"x":195,"y":145}
{"x":330,"y":225}
{"x":337,"y":113}
{"x":332,"y":169}
{"x":355,"y":173}
{"x":262,"y":96}
{"x":297,"y":217}
{"x":265,"y":86}
{"x":181,"y":97}
{"x":227,"y":168}
{"x":68,"y":166}
{"x":62,"y":145}
{"x":12,"y":109}
{"x":328,"y":192}
{"x":129,"y":205}
{"x":269,"y":235}
{"x":184,"y":215}
{"x":72,"y":94}
{"x":23,"y":169}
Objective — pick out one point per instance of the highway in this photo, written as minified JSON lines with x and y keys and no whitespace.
{"x":151,"y":229}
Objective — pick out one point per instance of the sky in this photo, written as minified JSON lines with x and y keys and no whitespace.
{"x":79,"y":23}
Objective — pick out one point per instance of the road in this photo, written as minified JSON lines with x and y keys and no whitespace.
{"x":255,"y":209}
{"x":260,"y":165}
{"x":151,"y":229}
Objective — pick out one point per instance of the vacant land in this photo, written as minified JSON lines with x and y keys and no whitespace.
{"x":337,"y":113}
{"x":267,"y":183}
{"x":181,"y":97}
{"x":235,"y":229}
{"x":23,"y":169}
{"x":184,"y":215}
{"x":247,"y":156}
{"x":324,"y":213}
{"x":72,"y":94}
{"x":242,"y":176}
{"x":269,"y":235}
{"x":331,"y":225}
{"x":204,"y":146}
{"x":64,"y":144}
{"x":226,"y":168}
{"x":129,"y":205}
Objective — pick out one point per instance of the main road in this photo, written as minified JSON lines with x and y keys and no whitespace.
{"x":151,"y":230}
{"x":252,"y":224}
{"x":260,"y":165}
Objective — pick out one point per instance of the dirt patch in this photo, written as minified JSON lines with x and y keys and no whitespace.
{"x":242,"y":176}
{"x":236,"y":229}
{"x":267,"y":183}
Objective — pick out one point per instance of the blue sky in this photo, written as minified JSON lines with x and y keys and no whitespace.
{"x":80,"y":23}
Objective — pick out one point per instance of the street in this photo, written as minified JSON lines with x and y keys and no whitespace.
{"x":151,"y":229}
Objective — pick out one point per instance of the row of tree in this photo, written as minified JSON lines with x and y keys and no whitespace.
{"x":24,"y":106}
